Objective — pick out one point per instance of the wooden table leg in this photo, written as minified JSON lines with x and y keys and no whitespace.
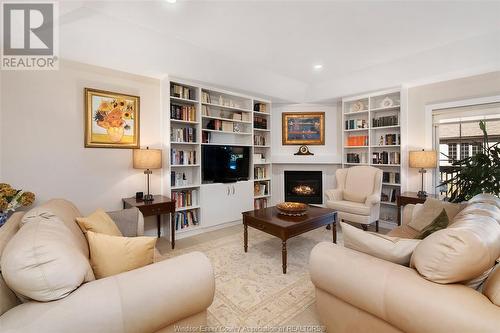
{"x":172,"y":230}
{"x":245,"y":237}
{"x":398,"y":206}
{"x":283,"y":255}
{"x":334,"y":228}
{"x":158,"y":224}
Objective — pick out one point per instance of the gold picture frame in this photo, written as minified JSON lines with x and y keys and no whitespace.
{"x":303,"y":128}
{"x":112,"y":120}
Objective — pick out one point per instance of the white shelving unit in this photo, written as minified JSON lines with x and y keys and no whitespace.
{"x":372,"y":136}
{"x":218,"y":117}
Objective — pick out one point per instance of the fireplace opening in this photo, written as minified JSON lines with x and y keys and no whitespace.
{"x":304,"y":186}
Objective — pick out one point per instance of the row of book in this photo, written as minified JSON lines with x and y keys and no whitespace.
{"x":259,"y":172}
{"x":179,"y":91}
{"x":355,"y":124}
{"x":185,"y":219}
{"x":178,"y":178}
{"x":183,"y":112}
{"x":356,"y":158}
{"x":206,"y":137}
{"x":185,"y":198}
{"x":393,"y":157}
{"x":357,"y":140}
{"x":209,"y":112}
{"x":259,"y":122}
{"x":260,"y":203}
{"x":182,"y":157}
{"x":185,"y":134}
{"x":259,"y":140}
{"x":391,"y":177}
{"x":389,"y":195}
{"x":389,"y":140}
{"x":220,"y":125}
{"x":260,"y":107}
{"x":385,"y":121}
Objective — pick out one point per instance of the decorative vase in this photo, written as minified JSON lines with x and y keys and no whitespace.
{"x":3,"y":218}
{"x":115,"y":134}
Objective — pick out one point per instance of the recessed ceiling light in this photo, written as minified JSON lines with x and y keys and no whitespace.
{"x":318,"y":67}
{"x":171,"y":1}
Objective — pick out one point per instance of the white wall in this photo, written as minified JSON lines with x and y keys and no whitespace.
{"x":42,"y":131}
{"x":418,"y":134}
{"x":326,"y":158}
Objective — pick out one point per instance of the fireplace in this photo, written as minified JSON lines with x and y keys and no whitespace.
{"x":304,"y":186}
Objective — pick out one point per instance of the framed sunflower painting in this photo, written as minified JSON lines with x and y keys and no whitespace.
{"x":111,"y":119}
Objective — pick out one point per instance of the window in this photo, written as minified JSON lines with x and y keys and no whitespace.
{"x":464,"y":150}
{"x":476,"y":148}
{"x":452,"y":152}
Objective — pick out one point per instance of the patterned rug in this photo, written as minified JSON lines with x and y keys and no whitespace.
{"x":251,"y":289}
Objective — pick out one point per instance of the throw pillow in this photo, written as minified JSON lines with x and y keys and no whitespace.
{"x":111,"y":255}
{"x":393,"y":249}
{"x":99,"y":222}
{"x":440,"y":222}
{"x":355,"y":197}
{"x":424,"y":215}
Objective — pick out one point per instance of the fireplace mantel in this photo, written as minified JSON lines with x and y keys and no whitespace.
{"x":306,"y":159}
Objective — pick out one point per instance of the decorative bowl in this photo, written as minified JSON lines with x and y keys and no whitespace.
{"x":292,"y":208}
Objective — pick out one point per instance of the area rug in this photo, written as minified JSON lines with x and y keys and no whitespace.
{"x":251,"y":290}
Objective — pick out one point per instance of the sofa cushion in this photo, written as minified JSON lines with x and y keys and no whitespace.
{"x":350,"y":207}
{"x":491,"y":287}
{"x":111,"y":255}
{"x":486,"y":198}
{"x":425,"y":214}
{"x":42,"y":261}
{"x":99,"y":222}
{"x":354,"y":196}
{"x":440,"y":222}
{"x":404,"y":231}
{"x":393,"y":249}
{"x":461,"y":252}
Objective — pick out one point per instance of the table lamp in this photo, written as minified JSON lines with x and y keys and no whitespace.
{"x":423,"y":160}
{"x":147,"y":159}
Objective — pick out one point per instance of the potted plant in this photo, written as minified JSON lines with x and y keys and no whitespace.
{"x":11,"y":199}
{"x":475,"y":174}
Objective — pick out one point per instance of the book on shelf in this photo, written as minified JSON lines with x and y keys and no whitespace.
{"x":220,"y":125}
{"x":357,"y":140}
{"x":184,"y":134}
{"x":183,"y":112}
{"x":389,"y":195}
{"x":392,"y":139}
{"x":260,"y":107}
{"x":185,"y":198}
{"x":260,"y":203}
{"x":259,"y":140}
{"x":259,"y":122}
{"x":182,"y":157}
{"x":206,"y":137}
{"x":205,"y":97}
{"x":227,"y":126}
{"x":185,"y":219}
{"x":384,"y":157}
{"x":390,"y":177}
{"x":260,"y":172}
{"x":180,"y":91}
{"x":356,"y":158}
{"x":385,"y":121}
{"x":261,"y":188}
{"x":355,"y":124}
{"x":178,"y":179}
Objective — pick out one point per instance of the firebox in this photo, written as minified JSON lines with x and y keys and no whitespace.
{"x":304,"y":186}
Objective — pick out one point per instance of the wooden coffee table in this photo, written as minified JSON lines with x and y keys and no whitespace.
{"x":285,"y":227}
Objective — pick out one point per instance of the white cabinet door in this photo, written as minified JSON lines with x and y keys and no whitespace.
{"x":222,"y":203}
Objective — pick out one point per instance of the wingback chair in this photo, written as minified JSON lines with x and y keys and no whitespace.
{"x":357,"y":196}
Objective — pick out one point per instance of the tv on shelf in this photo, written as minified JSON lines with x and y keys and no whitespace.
{"x":225,"y":164}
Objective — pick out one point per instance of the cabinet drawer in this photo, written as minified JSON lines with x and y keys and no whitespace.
{"x":154,"y":210}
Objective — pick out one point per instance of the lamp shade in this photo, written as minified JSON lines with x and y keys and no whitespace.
{"x":423,"y":159}
{"x":147,"y":158}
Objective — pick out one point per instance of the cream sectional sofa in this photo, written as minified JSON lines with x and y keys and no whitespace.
{"x":155,"y":298}
{"x":356,"y":292}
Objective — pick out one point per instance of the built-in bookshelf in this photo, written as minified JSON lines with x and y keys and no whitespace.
{"x":372,"y":136}
{"x":202,"y":115}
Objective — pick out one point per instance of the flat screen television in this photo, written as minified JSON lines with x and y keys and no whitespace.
{"x":225,"y":164}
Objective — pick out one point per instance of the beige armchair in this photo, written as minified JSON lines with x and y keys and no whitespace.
{"x":357,"y":196}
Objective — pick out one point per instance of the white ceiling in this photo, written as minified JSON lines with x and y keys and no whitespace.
{"x":270,"y":47}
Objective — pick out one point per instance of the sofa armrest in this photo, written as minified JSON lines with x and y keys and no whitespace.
{"x":398,"y":294}
{"x":143,"y":300}
{"x":372,"y":199}
{"x":334,"y":194}
{"x":130,"y":221}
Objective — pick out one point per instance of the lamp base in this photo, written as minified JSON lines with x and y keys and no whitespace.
{"x":148,"y":197}
{"x":422,"y":194}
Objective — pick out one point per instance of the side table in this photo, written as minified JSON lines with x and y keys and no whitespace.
{"x":406,"y":198}
{"x":161,"y":205}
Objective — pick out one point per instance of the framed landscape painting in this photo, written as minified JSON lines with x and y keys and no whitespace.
{"x":303,"y":128}
{"x":111,"y":119}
